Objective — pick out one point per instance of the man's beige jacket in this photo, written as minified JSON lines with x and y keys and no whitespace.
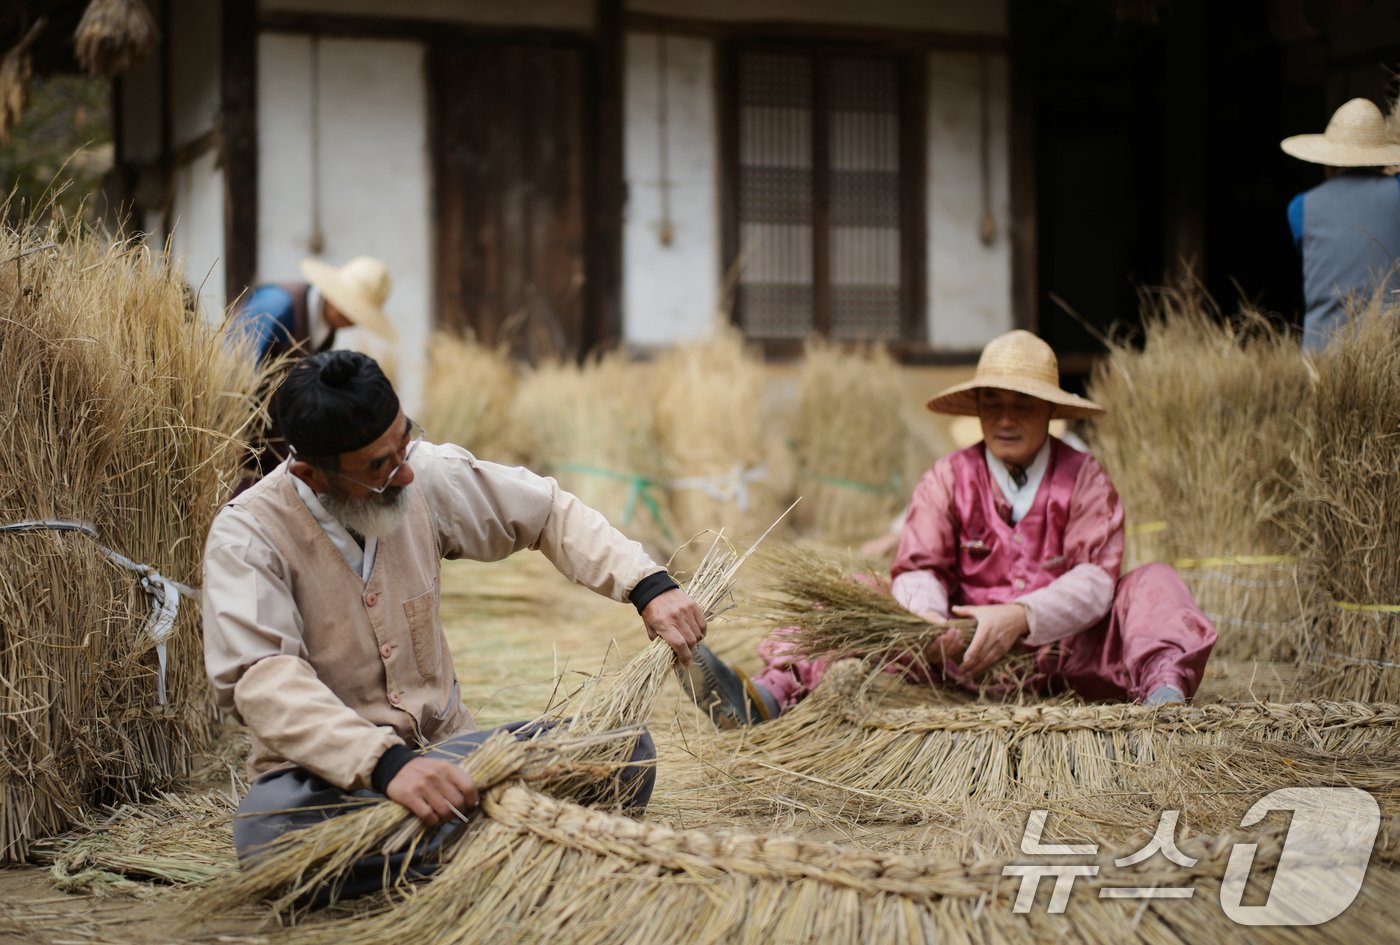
{"x":327,"y":669}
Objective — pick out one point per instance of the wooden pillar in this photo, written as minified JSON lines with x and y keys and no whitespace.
{"x":1025,"y":244}
{"x":604,"y":321}
{"x":1187,"y":102}
{"x":239,"y":94}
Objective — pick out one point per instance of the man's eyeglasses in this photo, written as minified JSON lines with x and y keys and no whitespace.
{"x":416,"y":435}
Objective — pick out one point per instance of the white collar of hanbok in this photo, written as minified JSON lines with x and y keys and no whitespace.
{"x":1020,"y":497}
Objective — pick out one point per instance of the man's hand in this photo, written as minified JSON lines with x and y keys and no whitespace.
{"x":431,"y":788}
{"x":999,"y":626}
{"x":677,"y":619}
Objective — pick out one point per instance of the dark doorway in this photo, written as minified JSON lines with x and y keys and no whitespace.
{"x":510,"y":168}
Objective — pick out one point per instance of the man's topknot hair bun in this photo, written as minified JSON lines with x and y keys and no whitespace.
{"x":335,"y":402}
{"x":340,"y":367}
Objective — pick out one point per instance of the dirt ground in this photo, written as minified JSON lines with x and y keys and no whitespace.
{"x":522,"y":636}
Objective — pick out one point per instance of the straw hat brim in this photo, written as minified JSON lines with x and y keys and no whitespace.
{"x":365,"y":314}
{"x":960,"y":400}
{"x":1319,"y":149}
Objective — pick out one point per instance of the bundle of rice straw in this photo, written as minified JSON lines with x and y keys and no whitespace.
{"x":173,"y":839}
{"x":113,"y":36}
{"x":710,"y":425}
{"x":596,"y":735}
{"x":1198,"y":440}
{"x":542,"y":870}
{"x":850,"y":440}
{"x":835,"y":609}
{"x":123,"y":438}
{"x":468,"y":394}
{"x":16,"y":70}
{"x":592,"y":428}
{"x":1348,"y":520}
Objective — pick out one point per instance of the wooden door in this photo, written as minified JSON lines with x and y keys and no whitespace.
{"x":510,"y":168}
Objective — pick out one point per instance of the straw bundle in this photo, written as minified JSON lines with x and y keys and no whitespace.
{"x":837,"y":610}
{"x":710,"y":426}
{"x":127,"y":420}
{"x":176,"y":840}
{"x":1349,"y":508}
{"x":592,"y":428}
{"x":542,"y":870}
{"x":850,"y":440}
{"x":16,"y":70}
{"x":113,"y":36}
{"x":468,"y":393}
{"x":1198,"y":438}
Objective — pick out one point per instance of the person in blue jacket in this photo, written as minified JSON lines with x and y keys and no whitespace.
{"x":296,"y":319}
{"x":1347,"y":228}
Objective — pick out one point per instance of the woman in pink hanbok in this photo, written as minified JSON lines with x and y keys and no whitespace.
{"x":1024,"y":534}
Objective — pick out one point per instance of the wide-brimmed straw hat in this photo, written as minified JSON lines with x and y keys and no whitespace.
{"x":1016,"y":361}
{"x":1356,"y":136}
{"x":358,"y":289}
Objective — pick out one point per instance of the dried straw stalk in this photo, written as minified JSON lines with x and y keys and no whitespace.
{"x":1198,"y":439}
{"x":113,"y":36}
{"x":468,"y":394}
{"x":1348,"y":510}
{"x":129,"y":415}
{"x":722,"y":467}
{"x":542,"y":870}
{"x":850,"y":439}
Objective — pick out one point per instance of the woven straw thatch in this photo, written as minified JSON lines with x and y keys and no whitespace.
{"x":853,"y":750}
{"x":1348,"y":519}
{"x":723,"y":468}
{"x":1198,"y":439}
{"x":538,"y":869}
{"x":468,"y":395}
{"x":126,"y":415}
{"x":851,"y":442}
{"x":113,"y":36}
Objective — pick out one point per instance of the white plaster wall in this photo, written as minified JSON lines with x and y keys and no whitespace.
{"x":670,"y":292}
{"x":373,"y":176}
{"x":197,"y":239}
{"x":969,"y":283}
{"x":548,"y":14}
{"x":971,"y":16}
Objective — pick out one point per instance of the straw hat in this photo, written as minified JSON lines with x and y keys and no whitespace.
{"x":1355,"y":137}
{"x":1017,"y":361}
{"x":358,"y":289}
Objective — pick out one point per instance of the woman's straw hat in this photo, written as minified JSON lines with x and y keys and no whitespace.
{"x":1356,"y":136}
{"x":1017,"y":361}
{"x":358,"y":289}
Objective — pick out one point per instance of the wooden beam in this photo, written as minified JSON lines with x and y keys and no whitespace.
{"x":239,"y":95}
{"x":743,"y":30}
{"x":604,"y":313}
{"x":1025,"y":251}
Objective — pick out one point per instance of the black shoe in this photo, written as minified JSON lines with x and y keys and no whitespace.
{"x":729,"y":697}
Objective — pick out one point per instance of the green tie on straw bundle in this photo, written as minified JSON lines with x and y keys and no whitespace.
{"x":638,"y":490}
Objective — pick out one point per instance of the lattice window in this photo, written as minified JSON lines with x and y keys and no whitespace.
{"x":819,"y":223}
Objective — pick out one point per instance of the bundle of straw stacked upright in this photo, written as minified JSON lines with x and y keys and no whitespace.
{"x":126,"y":414}
{"x":850,"y":444}
{"x":721,"y":468}
{"x":592,"y":428}
{"x":468,"y":395}
{"x":1198,"y":438}
{"x":1348,"y":523}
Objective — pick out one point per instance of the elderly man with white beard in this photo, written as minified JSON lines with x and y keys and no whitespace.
{"x":321,"y":626}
